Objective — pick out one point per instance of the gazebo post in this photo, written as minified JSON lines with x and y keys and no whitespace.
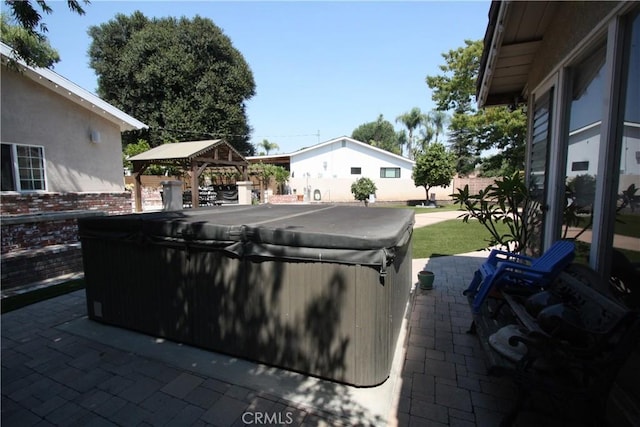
{"x":195,"y":191}
{"x":138,"y":168}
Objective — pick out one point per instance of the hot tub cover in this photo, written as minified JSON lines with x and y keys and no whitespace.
{"x":319,"y":233}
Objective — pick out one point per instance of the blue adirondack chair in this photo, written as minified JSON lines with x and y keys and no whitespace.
{"x":509,"y":268}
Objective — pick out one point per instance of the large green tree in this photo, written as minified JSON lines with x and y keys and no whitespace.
{"x":182,"y":77}
{"x":434,"y":168}
{"x":25,"y":31}
{"x":381,"y":134}
{"x":473,"y":131}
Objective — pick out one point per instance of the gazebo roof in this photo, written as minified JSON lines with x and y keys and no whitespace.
{"x":216,"y":150}
{"x":193,"y":156}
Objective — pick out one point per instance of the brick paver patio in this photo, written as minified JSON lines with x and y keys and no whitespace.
{"x":51,"y":376}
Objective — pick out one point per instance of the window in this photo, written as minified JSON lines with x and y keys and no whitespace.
{"x":579,"y":166}
{"x":584,"y":138}
{"x":538,"y":158}
{"x":389,"y":172}
{"x":356,"y":171}
{"x":22,"y":168}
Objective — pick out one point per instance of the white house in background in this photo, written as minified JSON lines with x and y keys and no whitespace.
{"x":325,"y":172}
{"x":584,"y":144}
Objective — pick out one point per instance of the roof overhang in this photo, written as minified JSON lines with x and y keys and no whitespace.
{"x":215,"y":152}
{"x":276,"y":159}
{"x":513,"y":37}
{"x":73,"y":92}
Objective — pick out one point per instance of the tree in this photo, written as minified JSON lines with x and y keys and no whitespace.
{"x":268,"y":146}
{"x":182,"y":77}
{"x":472,"y":132}
{"x":434,"y":168}
{"x":507,"y":201}
{"x":455,"y":89}
{"x":462,"y":144}
{"x":362,"y":188}
{"x":27,"y":38}
{"x":379,"y":134}
{"x":136,"y":148}
{"x":438,"y":119}
{"x":266,"y":171}
{"x":411,"y":120}
{"x":281,"y":176}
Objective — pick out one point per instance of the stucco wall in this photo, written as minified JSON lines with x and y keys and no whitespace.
{"x":389,"y":189}
{"x":335,"y":161}
{"x":329,"y":171}
{"x":32,"y":114}
{"x":560,"y":39}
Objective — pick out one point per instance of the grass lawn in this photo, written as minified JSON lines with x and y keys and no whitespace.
{"x":421,"y":210}
{"x":628,"y":225}
{"x":449,"y":238}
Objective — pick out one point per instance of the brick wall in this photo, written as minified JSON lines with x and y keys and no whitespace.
{"x":22,"y":268}
{"x":40,"y":232}
{"x":475,"y":184}
{"x":30,"y":203}
{"x":284,"y":198}
{"x":36,"y":235}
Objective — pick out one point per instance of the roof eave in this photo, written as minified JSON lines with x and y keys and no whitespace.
{"x":75,"y":93}
{"x":492,"y":43}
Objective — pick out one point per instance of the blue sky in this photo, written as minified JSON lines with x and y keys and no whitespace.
{"x":324,"y":67}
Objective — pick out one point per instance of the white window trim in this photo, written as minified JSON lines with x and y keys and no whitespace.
{"x":16,"y":171}
{"x":391,"y":177}
{"x":609,"y":155}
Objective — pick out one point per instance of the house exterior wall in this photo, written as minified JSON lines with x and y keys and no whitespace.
{"x":569,"y":38}
{"x":39,"y":228}
{"x":630,"y":157}
{"x":326,"y":170}
{"x":560,"y":39}
{"x":584,"y":147}
{"x":35,"y":115}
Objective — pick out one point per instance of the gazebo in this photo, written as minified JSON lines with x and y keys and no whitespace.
{"x":193,"y":157}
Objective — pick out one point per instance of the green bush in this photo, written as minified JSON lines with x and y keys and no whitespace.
{"x":362,"y":188}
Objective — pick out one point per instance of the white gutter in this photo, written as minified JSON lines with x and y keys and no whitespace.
{"x":494,"y":51}
{"x":75,"y":93}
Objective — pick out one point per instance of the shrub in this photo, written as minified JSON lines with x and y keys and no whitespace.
{"x":362,"y":188}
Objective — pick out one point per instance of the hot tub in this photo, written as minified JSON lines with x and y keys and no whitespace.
{"x":318,"y":289}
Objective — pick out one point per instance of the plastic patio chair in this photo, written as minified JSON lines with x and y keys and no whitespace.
{"x":504,"y":267}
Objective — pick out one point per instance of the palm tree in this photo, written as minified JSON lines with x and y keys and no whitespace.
{"x":426,"y":135}
{"x":438,"y":119}
{"x":411,"y":120}
{"x":268,"y":146}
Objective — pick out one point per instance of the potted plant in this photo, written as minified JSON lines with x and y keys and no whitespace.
{"x":425,"y":279}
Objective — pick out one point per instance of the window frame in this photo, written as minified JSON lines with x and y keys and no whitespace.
{"x":384,"y":169}
{"x":614,"y":30}
{"x":15,"y":167}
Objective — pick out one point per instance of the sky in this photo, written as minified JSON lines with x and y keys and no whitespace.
{"x":321,"y":68}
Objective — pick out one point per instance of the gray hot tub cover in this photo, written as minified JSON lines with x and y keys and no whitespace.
{"x":311,"y":233}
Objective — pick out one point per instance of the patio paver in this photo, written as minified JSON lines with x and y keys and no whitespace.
{"x":52,"y":374}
